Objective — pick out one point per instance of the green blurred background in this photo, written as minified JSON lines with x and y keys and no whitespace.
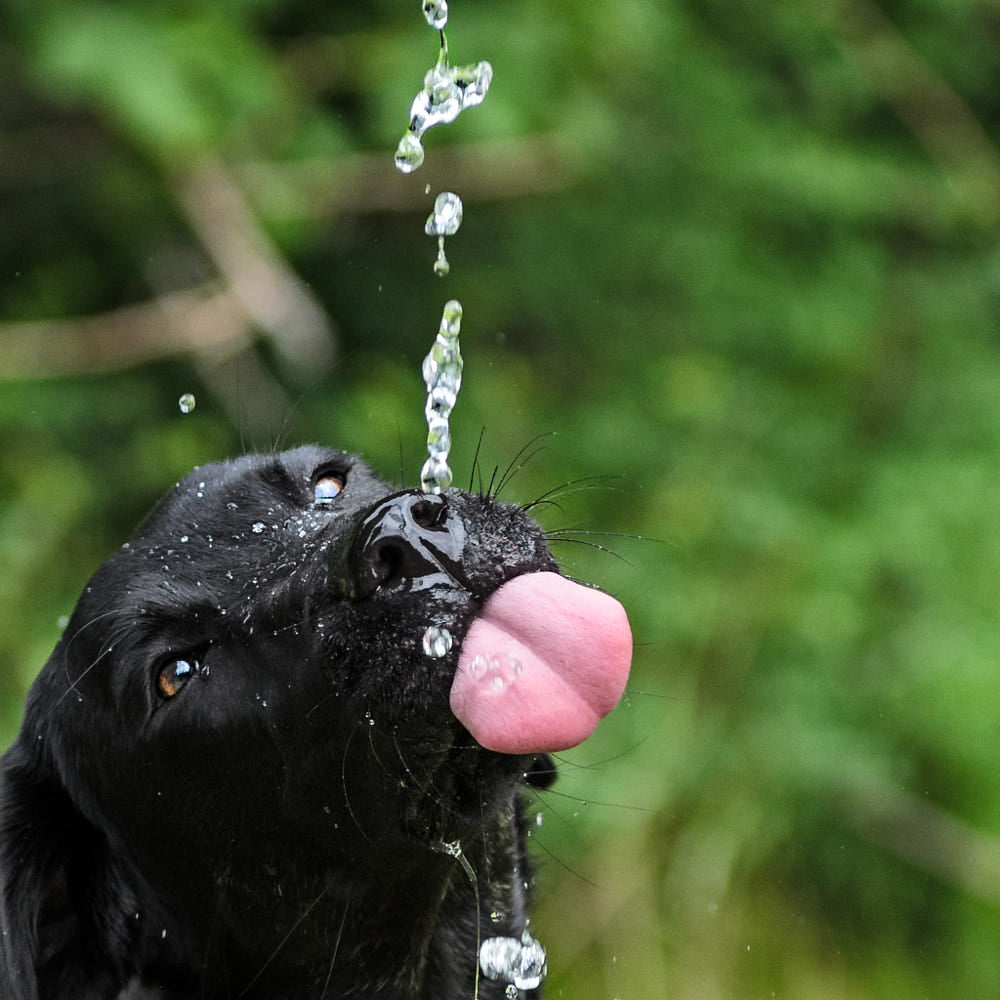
{"x":735,"y":262}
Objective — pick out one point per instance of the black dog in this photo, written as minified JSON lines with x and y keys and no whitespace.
{"x":242,"y":771}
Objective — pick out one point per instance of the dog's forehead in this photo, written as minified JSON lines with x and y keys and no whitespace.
{"x":258,"y":485}
{"x":221,"y":532}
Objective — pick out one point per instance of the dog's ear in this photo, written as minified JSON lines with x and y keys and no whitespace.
{"x":59,"y":898}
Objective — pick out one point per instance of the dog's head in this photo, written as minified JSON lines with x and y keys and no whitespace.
{"x":270,"y":677}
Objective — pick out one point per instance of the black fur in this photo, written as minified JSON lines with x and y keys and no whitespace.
{"x":275,"y":829}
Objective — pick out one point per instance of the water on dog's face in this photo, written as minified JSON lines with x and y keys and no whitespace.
{"x":437,"y":642}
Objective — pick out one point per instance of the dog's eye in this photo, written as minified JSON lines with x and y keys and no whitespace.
{"x":326,"y":489}
{"x":174,"y":674}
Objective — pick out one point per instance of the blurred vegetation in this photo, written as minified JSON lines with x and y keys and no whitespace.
{"x":739,"y":260}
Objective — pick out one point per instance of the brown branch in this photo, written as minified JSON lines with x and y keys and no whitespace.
{"x":369,"y":182}
{"x":205,"y":320}
{"x":258,"y":290}
{"x":254,"y":269}
{"x":923,"y":100}
{"x":929,"y":838}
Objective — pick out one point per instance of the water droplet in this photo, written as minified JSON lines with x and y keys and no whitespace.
{"x":446,"y":217}
{"x":187,"y":402}
{"x":436,"y":12}
{"x":437,"y":642}
{"x":435,"y":475}
{"x":257,"y":527}
{"x":452,"y":848}
{"x":409,"y":153}
{"x":439,"y":433}
{"x":447,"y":91}
{"x":444,"y":221}
{"x":442,"y":372}
{"x":441,"y":265}
{"x":512,"y":992}
{"x":522,"y":963}
{"x":474,"y":82}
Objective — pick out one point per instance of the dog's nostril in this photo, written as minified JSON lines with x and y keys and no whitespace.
{"x":407,"y":540}
{"x":429,"y":512}
{"x":383,"y":560}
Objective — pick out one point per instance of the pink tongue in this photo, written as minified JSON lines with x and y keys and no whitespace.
{"x":545,"y":661}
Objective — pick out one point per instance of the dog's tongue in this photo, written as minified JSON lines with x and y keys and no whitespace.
{"x":545,"y":661}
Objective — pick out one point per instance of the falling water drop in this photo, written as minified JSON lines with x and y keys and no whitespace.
{"x":447,"y":91}
{"x":436,"y":12}
{"x":187,"y":402}
{"x":441,"y":265}
{"x":409,"y":153}
{"x":446,"y":217}
{"x":444,"y":221}
{"x":442,"y":372}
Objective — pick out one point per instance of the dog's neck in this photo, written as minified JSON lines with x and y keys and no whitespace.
{"x":402,"y":929}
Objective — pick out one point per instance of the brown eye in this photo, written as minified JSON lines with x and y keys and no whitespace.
{"x":174,"y":674}
{"x":326,"y":489}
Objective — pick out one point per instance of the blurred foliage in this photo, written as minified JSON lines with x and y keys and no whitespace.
{"x":736,"y":263}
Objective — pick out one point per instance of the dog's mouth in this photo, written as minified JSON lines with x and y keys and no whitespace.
{"x":533,"y":661}
{"x":543,"y":660}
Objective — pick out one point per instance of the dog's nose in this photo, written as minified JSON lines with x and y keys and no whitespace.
{"x":409,"y":541}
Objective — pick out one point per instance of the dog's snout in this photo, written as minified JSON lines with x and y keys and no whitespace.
{"x":409,"y":541}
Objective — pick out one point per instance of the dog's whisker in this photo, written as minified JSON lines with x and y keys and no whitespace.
{"x":477,"y":469}
{"x":336,"y":949}
{"x":344,"y":785}
{"x":374,"y":751}
{"x":72,"y":683}
{"x":281,"y":944}
{"x":544,"y":793}
{"x":552,"y":856}
{"x":582,"y":485}
{"x":519,"y":461}
{"x":426,"y":789}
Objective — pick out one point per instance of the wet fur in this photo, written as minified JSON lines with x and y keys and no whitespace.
{"x":275,"y":831}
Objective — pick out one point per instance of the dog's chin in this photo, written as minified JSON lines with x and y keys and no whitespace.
{"x":467,"y":788}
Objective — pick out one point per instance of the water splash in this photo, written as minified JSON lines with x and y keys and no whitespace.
{"x":444,"y":221}
{"x":442,"y":371}
{"x":187,"y":402}
{"x":520,"y":962}
{"x":447,"y":92}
